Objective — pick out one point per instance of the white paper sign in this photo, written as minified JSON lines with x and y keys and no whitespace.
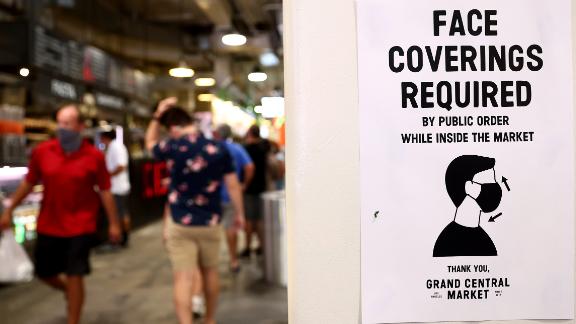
{"x":466,"y":160}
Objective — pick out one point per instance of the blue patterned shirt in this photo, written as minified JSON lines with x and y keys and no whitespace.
{"x":197,"y":167}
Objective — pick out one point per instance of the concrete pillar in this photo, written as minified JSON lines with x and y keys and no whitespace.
{"x":322,"y":151}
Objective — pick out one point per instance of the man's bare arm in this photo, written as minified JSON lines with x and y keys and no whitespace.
{"x":118,"y":170}
{"x":248,"y":175}
{"x":112,"y":214}
{"x":235,"y":192}
{"x":153,"y":131}
{"x":21,"y":192}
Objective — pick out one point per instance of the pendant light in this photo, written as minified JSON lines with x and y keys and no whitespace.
{"x":257,"y":75}
{"x":234,"y":39}
{"x":205,"y":82}
{"x":182,"y":70}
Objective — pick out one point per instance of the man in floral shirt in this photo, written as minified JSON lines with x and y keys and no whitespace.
{"x":198,"y":168}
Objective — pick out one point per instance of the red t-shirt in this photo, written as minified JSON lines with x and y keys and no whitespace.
{"x":70,"y":201}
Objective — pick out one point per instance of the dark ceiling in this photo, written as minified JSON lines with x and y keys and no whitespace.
{"x":161,"y":32}
{"x":155,"y":35}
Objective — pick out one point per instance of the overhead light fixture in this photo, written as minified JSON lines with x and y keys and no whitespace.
{"x":205,"y":82}
{"x":205,"y":97}
{"x":24,"y":72}
{"x":234,"y":39}
{"x":269,"y":59}
{"x":272,"y":107}
{"x":182,"y":71}
{"x":257,"y":76}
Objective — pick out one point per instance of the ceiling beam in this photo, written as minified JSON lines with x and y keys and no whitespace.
{"x":218,"y":11}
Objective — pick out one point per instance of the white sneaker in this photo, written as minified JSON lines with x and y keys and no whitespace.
{"x":198,"y":306}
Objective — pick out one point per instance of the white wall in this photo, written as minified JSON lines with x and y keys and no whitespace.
{"x":322,"y":152}
{"x":322,"y":158}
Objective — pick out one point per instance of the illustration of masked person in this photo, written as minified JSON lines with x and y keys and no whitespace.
{"x":471,"y":184}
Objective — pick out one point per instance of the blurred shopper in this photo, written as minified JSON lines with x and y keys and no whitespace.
{"x":117,"y":164}
{"x":197,"y":168}
{"x":70,"y":169}
{"x":276,"y":167}
{"x":198,"y":303}
{"x":245,"y":172}
{"x":258,"y":149}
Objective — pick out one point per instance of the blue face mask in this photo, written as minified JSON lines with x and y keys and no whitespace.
{"x":69,"y":140}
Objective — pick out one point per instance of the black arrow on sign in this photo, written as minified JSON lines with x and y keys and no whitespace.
{"x":376,"y":214}
{"x":505,"y":181}
{"x":491,"y":220}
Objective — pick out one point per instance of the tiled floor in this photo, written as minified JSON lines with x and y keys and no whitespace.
{"x":134,"y":286}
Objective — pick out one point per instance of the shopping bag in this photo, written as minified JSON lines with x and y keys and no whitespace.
{"x":15,"y":265}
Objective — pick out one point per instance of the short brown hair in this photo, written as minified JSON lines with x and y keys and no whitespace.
{"x":175,"y":116}
{"x":254,"y":131}
{"x":81,"y":117}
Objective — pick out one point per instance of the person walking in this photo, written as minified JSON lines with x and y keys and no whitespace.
{"x":259,"y":150}
{"x":245,"y":172}
{"x":117,"y":164}
{"x":198,"y":167}
{"x":75,"y":181}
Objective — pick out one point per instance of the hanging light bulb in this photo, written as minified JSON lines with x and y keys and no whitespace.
{"x":234,"y":39}
{"x":268,"y":58}
{"x":257,"y":76}
{"x":24,"y":72}
{"x":182,"y":71}
{"x":205,"y":97}
{"x":205,"y":82}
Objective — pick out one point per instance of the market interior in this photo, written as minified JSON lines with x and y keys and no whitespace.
{"x":222,"y":60}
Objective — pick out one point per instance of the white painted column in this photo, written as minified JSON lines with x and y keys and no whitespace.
{"x":322,"y":158}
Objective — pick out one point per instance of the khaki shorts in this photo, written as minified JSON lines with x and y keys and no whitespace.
{"x":192,"y":246}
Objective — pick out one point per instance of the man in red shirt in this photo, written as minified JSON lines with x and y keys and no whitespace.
{"x":75,"y":180}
